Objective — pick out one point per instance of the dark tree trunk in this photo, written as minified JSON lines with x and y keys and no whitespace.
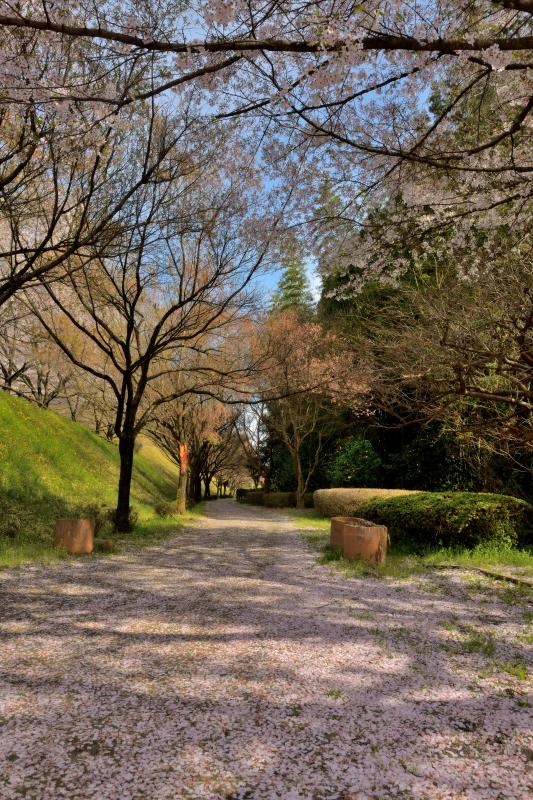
{"x":181,"y":504}
{"x":207,"y":487}
{"x":197,"y":487}
{"x":268,"y":472}
{"x":195,"y":484}
{"x":126,"y":447}
{"x":300,"y":480}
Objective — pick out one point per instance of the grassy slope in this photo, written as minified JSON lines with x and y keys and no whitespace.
{"x":50,"y":467}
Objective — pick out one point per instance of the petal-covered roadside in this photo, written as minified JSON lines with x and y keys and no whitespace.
{"x":228,"y":664}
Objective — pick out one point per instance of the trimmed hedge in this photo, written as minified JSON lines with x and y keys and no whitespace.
{"x":279,"y":499}
{"x":253,"y":496}
{"x":275,"y":499}
{"x":452,"y":519}
{"x":285,"y":500}
{"x":345,"y":502}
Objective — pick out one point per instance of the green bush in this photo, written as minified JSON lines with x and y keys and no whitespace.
{"x":255,"y":498}
{"x":276,"y":499}
{"x":10,"y":524}
{"x":355,"y":463}
{"x":101,"y":515}
{"x":133,"y":518}
{"x":105,"y":546}
{"x":286,"y":500}
{"x":309,"y":501}
{"x":346,"y":502}
{"x":279,"y":499}
{"x":165,"y":509}
{"x":453,"y":519}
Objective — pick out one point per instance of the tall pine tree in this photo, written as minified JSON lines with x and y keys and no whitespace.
{"x":293,"y":292}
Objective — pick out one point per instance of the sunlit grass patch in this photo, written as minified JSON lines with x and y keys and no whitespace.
{"x":466,"y":640}
{"x":449,"y":625}
{"x":484,"y":555}
{"x":149,"y":531}
{"x":517,"y":669}
{"x":309,"y":518}
{"x":13,"y":554}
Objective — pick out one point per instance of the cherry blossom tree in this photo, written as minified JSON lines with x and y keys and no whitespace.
{"x":250,"y":427}
{"x":183,"y":429}
{"x":310,"y":381}
{"x":171,"y":285}
{"x":351,"y":80}
{"x":410,"y":106}
{"x":199,"y":435}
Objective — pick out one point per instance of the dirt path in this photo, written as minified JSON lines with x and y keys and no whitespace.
{"x":227,"y":664}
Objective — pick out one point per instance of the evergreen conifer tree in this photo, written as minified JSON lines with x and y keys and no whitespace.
{"x":293,"y":292}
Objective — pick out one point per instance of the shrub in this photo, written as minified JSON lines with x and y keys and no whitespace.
{"x":276,"y":499}
{"x":133,"y":518}
{"x":11,"y":525}
{"x":240,"y":494}
{"x":279,"y":499}
{"x":165,"y":509}
{"x":345,"y":502}
{"x":355,"y":463}
{"x":105,"y":546}
{"x":254,"y":498}
{"x":102,"y":516}
{"x":454,"y":519}
{"x":309,"y":501}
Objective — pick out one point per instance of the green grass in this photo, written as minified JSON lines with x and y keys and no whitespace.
{"x":51,"y":467}
{"x":475,"y":641}
{"x":517,"y":669}
{"x":335,"y":693}
{"x":484,"y":556}
{"x":308,"y":518}
{"x":402,"y":563}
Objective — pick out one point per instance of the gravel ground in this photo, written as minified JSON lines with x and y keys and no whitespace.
{"x":226,"y":663}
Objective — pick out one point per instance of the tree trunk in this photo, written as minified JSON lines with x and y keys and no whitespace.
{"x":207,"y":487}
{"x":197,"y":487}
{"x":181,"y":504}
{"x":195,"y":484}
{"x":126,"y":448}
{"x":300,"y":482}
